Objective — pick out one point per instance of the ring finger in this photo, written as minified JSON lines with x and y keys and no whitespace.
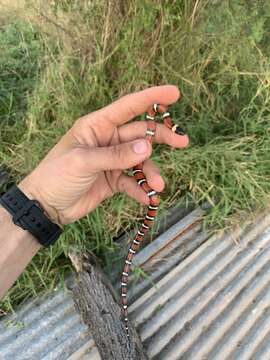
{"x":129,"y":185}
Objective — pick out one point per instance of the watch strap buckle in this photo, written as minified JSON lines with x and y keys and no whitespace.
{"x":24,"y":211}
{"x":29,"y":215}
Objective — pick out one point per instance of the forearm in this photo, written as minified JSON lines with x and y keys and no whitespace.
{"x":17,"y":248}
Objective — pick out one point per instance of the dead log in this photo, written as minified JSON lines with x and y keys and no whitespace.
{"x":95,"y":300}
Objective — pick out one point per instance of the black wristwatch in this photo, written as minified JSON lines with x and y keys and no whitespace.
{"x":29,"y":215}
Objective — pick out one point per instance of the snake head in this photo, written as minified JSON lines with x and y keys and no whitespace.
{"x":178,"y":130}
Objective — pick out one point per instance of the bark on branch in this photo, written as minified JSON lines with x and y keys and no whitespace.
{"x":95,"y":300}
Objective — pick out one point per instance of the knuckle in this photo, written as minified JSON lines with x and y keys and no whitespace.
{"x":77,"y":128}
{"x":77,"y":159}
{"x":78,"y":123}
{"x":126,"y":105}
{"x":121,"y":186}
{"x":118,"y":153}
{"x":131,"y":112}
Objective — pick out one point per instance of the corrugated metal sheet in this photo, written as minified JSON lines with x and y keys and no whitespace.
{"x":208,"y":305}
{"x":48,"y":328}
{"x":212,"y":301}
{"x":168,"y":250}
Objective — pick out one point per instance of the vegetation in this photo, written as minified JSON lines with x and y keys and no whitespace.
{"x":61,"y":59}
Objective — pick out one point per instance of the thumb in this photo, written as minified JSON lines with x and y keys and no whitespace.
{"x":119,"y":157}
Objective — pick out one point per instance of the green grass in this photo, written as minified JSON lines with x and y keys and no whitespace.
{"x":67,"y":58}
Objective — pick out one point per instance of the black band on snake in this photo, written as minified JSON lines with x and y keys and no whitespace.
{"x":138,"y":174}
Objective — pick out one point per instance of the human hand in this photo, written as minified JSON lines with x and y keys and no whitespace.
{"x":86,"y":165}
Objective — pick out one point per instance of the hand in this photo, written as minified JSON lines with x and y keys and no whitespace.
{"x":85,"y":166}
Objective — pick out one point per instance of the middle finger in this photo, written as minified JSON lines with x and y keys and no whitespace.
{"x":163,"y":135}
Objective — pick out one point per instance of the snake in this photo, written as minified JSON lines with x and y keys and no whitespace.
{"x":152,"y":114}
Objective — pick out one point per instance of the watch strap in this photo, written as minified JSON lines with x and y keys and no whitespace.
{"x":29,"y":215}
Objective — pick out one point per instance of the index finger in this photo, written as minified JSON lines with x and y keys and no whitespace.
{"x":132,"y":105}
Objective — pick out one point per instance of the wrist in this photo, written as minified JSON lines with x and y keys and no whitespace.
{"x":5,"y":216}
{"x":11,"y":228}
{"x":28,"y":214}
{"x":29,"y":188}
{"x":17,"y":247}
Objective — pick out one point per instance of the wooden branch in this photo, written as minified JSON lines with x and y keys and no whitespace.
{"x":95,"y":300}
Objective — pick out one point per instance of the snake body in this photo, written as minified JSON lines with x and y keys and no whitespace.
{"x":151,"y":115}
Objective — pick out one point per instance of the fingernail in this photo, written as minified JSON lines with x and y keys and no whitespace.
{"x":140,"y":147}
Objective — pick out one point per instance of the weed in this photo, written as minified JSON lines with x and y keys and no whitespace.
{"x":93,"y":52}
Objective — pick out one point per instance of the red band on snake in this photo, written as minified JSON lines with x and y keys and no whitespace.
{"x":149,"y":219}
